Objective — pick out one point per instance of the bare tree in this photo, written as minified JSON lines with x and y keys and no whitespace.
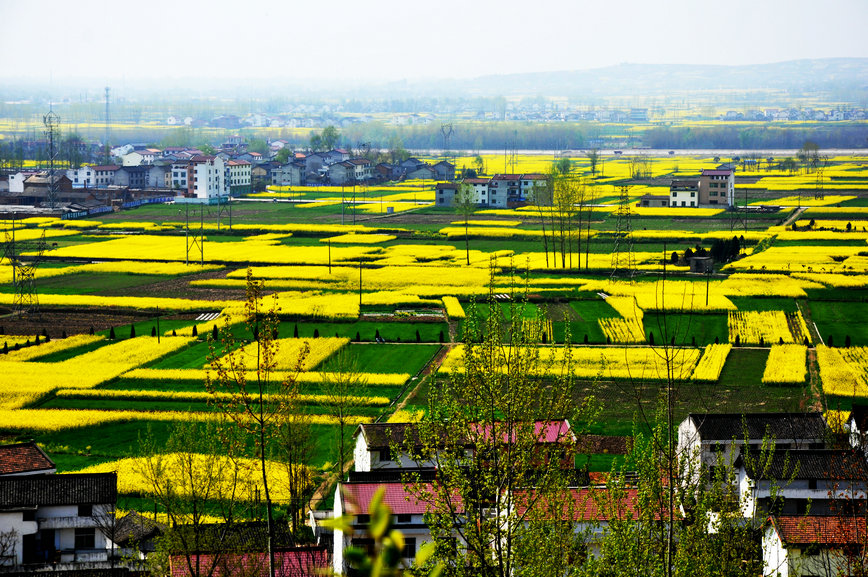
{"x":465,"y":203}
{"x":343,"y":391}
{"x":260,"y":406}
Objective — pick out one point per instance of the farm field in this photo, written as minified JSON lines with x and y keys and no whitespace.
{"x":130,"y":326}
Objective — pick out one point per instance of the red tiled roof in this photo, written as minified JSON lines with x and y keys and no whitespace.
{"x":534,"y":176}
{"x":586,"y":504}
{"x":549,"y":431}
{"x":357,"y":498}
{"x":202,"y":158}
{"x":296,"y":562}
{"x":506,"y":177}
{"x":23,"y":458}
{"x":800,"y":530}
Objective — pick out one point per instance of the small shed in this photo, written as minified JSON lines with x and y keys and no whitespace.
{"x":701,"y":264}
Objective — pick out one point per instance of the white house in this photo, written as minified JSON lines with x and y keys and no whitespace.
{"x":354,"y":498}
{"x":798,"y":482}
{"x":238,"y":177}
{"x":82,"y":177}
{"x":709,"y":440}
{"x":205,"y":177}
{"x":104,"y":175}
{"x":794,"y":546}
{"x":55,"y":520}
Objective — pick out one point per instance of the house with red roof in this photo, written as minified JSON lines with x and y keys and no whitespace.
{"x":814,"y":545}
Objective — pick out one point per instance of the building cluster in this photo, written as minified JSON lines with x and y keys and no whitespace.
{"x":337,"y":167}
{"x":498,"y":191}
{"x":713,"y":188}
{"x":800,"y":483}
{"x":795,"y":114}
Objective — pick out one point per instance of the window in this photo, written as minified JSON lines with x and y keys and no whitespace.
{"x":385,"y":455}
{"x":29,"y":515}
{"x":692,"y":195}
{"x":85,"y":510}
{"x":812,"y":484}
{"x":409,"y":548}
{"x":404,"y":518}
{"x":85,"y":538}
{"x":363,"y":519}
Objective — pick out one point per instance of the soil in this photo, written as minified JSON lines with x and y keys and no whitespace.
{"x":180,"y":288}
{"x":73,"y":322}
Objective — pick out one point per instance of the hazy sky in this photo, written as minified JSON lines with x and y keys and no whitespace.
{"x":391,"y":39}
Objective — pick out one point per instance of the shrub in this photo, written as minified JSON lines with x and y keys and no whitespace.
{"x":215,"y":334}
{"x":316,"y":333}
{"x":693,"y":341}
{"x":716,"y":340}
{"x":111,"y":333}
{"x":377,"y":334}
{"x":441,"y":336}
{"x":358,"y":337}
{"x":586,"y":338}
{"x":419,"y":337}
{"x":91,"y":329}
{"x":153,"y":331}
{"x":831,"y":341}
{"x":650,"y":338}
{"x":5,"y":348}
{"x":195,"y":331}
{"x":63,"y":334}
{"x":174,"y":334}
{"x":738,"y":340}
{"x":847,"y":341}
{"x":295,"y":331}
{"x":132,"y":331}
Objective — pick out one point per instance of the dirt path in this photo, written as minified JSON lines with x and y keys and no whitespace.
{"x":816,"y":387}
{"x":323,"y":491}
{"x":795,"y":216}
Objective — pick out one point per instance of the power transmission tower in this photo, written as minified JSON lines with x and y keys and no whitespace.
{"x":51,"y":121}
{"x":818,"y":191}
{"x":224,"y":207}
{"x":24,"y":273}
{"x":196,"y":241}
{"x":622,"y":251}
{"x":447,"y":131}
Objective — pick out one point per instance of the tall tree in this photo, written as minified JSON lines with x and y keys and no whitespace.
{"x":465,"y":203}
{"x":343,"y":388}
{"x":483,"y":431}
{"x":259,"y":404}
{"x":194,"y":476}
{"x":593,"y":159}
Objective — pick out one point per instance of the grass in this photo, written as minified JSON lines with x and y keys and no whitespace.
{"x":687,"y":328}
{"x":787,"y":305}
{"x":744,"y":367}
{"x":837,"y":320}
{"x":96,"y":284}
{"x":391,"y":358}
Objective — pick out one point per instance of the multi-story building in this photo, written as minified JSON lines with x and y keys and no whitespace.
{"x":684,"y":192}
{"x":104,"y":175}
{"x":179,"y":175}
{"x":205,"y":177}
{"x":238,"y":177}
{"x":290,"y":174}
{"x":717,"y":187}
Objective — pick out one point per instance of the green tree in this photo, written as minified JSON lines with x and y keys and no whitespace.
{"x":330,"y":137}
{"x":563,"y":165}
{"x":593,"y":159}
{"x":194,"y":476}
{"x":283,"y":155}
{"x":259,"y":405}
{"x":482,"y":431}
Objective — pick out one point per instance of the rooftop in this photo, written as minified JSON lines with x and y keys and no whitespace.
{"x":729,"y":426}
{"x":24,"y":458}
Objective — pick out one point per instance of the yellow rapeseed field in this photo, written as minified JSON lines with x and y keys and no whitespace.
{"x":711,"y":364}
{"x":786,"y":365}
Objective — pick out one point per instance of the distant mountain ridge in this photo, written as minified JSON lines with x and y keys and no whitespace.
{"x":649,"y":79}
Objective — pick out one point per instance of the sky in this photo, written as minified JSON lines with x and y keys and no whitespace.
{"x":45,"y":40}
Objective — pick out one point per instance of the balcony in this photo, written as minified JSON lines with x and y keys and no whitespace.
{"x":67,"y":523}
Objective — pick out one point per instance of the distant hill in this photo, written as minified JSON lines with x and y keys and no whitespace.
{"x":829,"y":74}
